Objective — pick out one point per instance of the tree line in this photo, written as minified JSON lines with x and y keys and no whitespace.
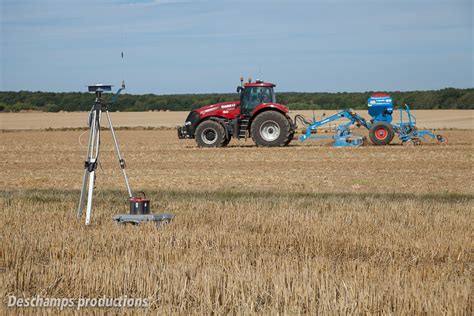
{"x":449,"y":98}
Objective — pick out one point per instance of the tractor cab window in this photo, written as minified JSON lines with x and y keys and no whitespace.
{"x":253,"y":96}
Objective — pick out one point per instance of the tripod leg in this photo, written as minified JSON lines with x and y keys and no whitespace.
{"x":119,"y":155}
{"x":85,"y":179}
{"x":86,"y":164}
{"x":89,"y":199}
{"x":92,"y":161}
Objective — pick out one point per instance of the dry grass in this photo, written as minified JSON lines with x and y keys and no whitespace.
{"x":238,"y":252}
{"x":304,"y":229}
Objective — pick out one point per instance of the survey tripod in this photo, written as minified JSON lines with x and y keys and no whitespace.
{"x":93,"y":149}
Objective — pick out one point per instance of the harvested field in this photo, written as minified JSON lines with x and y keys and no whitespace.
{"x":439,"y":119}
{"x":302,"y":229}
{"x":158,"y":160}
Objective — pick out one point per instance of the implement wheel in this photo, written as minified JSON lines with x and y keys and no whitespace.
{"x":381,"y":133}
{"x":441,"y":139}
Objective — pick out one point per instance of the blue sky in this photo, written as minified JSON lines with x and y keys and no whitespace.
{"x":179,"y":46}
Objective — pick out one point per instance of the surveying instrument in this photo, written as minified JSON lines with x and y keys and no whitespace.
{"x":139,"y":206}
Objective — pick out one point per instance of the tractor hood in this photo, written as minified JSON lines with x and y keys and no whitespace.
{"x":217,"y":109}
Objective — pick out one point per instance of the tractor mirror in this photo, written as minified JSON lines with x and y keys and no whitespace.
{"x":239,"y":89}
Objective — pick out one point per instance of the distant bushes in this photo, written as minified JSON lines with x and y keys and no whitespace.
{"x":449,"y":98}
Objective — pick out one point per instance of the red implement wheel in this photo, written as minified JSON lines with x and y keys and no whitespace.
{"x":381,"y":133}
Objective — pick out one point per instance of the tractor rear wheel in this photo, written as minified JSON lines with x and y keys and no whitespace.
{"x":290,"y":138}
{"x":210,"y":134}
{"x":271,"y":129}
{"x":381,"y":133}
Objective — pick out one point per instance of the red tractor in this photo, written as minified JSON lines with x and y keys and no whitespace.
{"x":255,"y":115}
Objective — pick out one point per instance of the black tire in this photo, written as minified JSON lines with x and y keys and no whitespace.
{"x":381,"y":133}
{"x":290,"y":138}
{"x":210,"y":134}
{"x":441,"y":139}
{"x":226,"y":141}
{"x":271,"y":129}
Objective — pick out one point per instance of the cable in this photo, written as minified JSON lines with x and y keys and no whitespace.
{"x":302,"y":120}
{"x":79,"y":139}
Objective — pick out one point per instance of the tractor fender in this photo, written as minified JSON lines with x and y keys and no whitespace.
{"x":220,"y":120}
{"x":194,"y":119}
{"x":270,"y":106}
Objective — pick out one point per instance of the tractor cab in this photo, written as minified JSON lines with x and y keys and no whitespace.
{"x":255,"y":93}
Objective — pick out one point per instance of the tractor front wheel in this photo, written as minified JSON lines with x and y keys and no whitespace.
{"x":226,"y":141}
{"x":210,"y":134}
{"x":381,"y":133}
{"x":271,"y":129}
